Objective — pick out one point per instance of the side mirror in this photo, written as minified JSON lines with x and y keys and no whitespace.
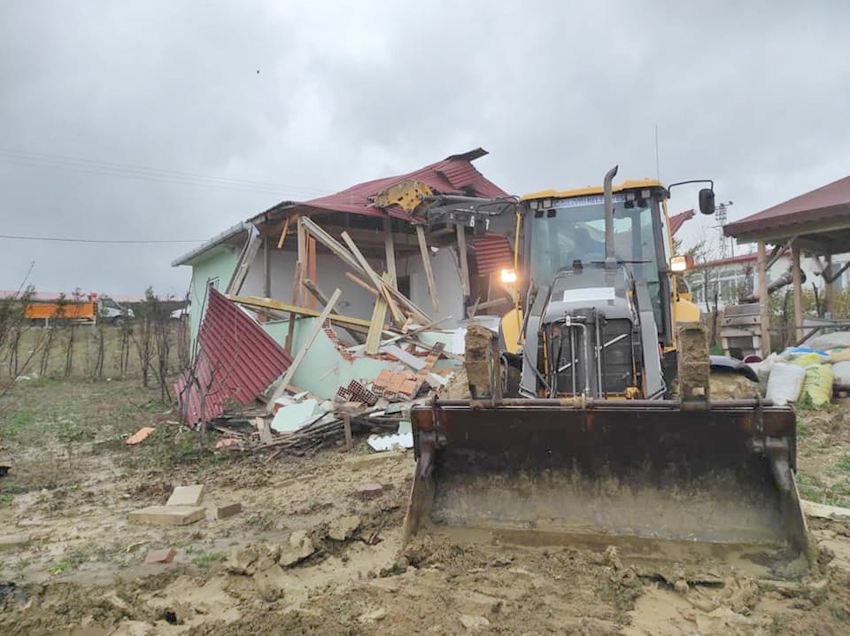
{"x":706,"y":201}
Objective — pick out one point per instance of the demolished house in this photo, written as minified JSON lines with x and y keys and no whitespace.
{"x":355,"y":298}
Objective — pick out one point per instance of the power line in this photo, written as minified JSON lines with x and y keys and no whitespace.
{"x":79,"y":240}
{"x":132,"y":171}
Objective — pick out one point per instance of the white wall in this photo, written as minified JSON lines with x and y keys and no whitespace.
{"x":330,"y":272}
{"x":447,"y":277}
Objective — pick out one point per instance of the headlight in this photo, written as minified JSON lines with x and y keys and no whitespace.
{"x":681,"y":263}
{"x":508,"y":276}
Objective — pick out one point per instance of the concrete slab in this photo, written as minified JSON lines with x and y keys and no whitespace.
{"x":186,"y":496}
{"x":824,"y":511}
{"x":168,"y":515}
{"x":165,"y":555}
{"x":12,"y":541}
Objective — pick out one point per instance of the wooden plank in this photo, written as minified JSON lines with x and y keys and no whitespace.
{"x":283,"y":233}
{"x":334,"y":246}
{"x":246,"y":259}
{"x":797,"y":279}
{"x":362,"y":283}
{"x":293,"y":367}
{"x":426,"y":262}
{"x":764,"y":313}
{"x":317,"y":293}
{"x":401,"y":355}
{"x":464,"y":265}
{"x":266,"y":303}
{"x":376,"y":326}
{"x":302,"y":263}
{"x":389,"y":250}
{"x":398,"y":317}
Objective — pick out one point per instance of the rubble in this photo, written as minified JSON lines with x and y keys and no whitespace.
{"x":369,"y":491}
{"x":343,"y":528}
{"x":160,"y":556}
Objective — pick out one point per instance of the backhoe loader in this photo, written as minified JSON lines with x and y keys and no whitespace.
{"x":610,"y":431}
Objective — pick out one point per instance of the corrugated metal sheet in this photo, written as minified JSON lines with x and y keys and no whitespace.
{"x":236,"y":360}
{"x":678,"y":220}
{"x":452,"y":175}
{"x":829,"y":201}
{"x":493,"y":252}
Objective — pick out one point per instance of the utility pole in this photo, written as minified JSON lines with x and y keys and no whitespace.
{"x":720,"y":215}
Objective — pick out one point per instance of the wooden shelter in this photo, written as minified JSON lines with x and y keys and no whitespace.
{"x":818,"y":223}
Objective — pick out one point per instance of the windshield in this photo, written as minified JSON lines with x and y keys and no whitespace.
{"x":574,"y":229}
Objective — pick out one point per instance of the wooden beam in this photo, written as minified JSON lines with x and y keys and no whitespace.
{"x":376,"y":325}
{"x":361,"y":283}
{"x":340,"y":251}
{"x":274,"y":305}
{"x":311,"y":262}
{"x":267,"y":267}
{"x":426,"y":262}
{"x":828,"y":288}
{"x":764,"y":312}
{"x":464,"y":265}
{"x":796,"y":277}
{"x":398,"y":317}
{"x":293,"y":367}
{"x":283,"y":233}
{"x":246,"y":259}
{"x":315,"y":291}
{"x":302,"y":262}
{"x":296,"y":292}
{"x":389,"y":250}
{"x":332,"y":244}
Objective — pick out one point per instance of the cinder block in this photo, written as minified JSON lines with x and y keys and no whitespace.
{"x":222,"y":512}
{"x":186,"y":496}
{"x":168,"y":515}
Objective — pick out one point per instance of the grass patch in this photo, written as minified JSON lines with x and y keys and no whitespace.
{"x":6,"y":499}
{"x":843,"y":465}
{"x":205,"y":558}
{"x":17,"y":425}
{"x":816,"y":490}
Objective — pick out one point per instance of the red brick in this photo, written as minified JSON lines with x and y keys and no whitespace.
{"x":160,"y":556}
{"x":369,"y":491}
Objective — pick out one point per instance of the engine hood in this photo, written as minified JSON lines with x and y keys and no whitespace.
{"x":590,"y":288}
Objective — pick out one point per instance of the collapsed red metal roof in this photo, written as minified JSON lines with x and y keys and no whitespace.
{"x":829,"y":201}
{"x":237,"y":360}
{"x":493,"y":252}
{"x":678,"y":220}
{"x":453,"y":175}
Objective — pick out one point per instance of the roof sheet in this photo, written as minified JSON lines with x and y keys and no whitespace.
{"x":237,"y":359}
{"x":453,"y":175}
{"x":678,"y":220}
{"x":492,"y":252}
{"x":829,"y":201}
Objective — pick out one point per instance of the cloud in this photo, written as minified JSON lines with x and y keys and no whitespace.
{"x":752,"y":95}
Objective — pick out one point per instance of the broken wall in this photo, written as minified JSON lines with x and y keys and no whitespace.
{"x":444,"y":264}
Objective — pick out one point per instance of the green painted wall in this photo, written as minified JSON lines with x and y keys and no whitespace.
{"x":216,"y":265}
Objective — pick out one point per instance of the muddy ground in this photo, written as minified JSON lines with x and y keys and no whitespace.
{"x":308,"y":555}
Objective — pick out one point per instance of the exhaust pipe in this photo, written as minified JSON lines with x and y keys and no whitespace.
{"x":610,"y":259}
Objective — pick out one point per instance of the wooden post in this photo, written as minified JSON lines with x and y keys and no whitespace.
{"x":380,"y":285}
{"x":346,"y":427}
{"x":828,"y":288}
{"x":389,"y":248}
{"x":302,"y":262}
{"x":464,"y":265}
{"x":376,"y":325}
{"x":764,"y":311}
{"x":311,"y":260}
{"x":267,"y":267}
{"x":297,"y":279}
{"x":798,"y":292}
{"x":426,"y":262}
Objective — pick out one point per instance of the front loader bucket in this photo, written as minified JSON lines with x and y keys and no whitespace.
{"x":644,"y":469}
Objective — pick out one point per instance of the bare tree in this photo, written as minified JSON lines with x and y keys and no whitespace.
{"x":71,"y":319}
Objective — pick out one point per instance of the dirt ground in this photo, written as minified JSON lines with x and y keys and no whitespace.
{"x":307,"y":555}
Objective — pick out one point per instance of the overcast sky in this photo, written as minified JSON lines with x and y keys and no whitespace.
{"x":175,"y":120}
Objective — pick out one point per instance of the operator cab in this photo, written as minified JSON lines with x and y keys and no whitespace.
{"x":567,"y":228}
